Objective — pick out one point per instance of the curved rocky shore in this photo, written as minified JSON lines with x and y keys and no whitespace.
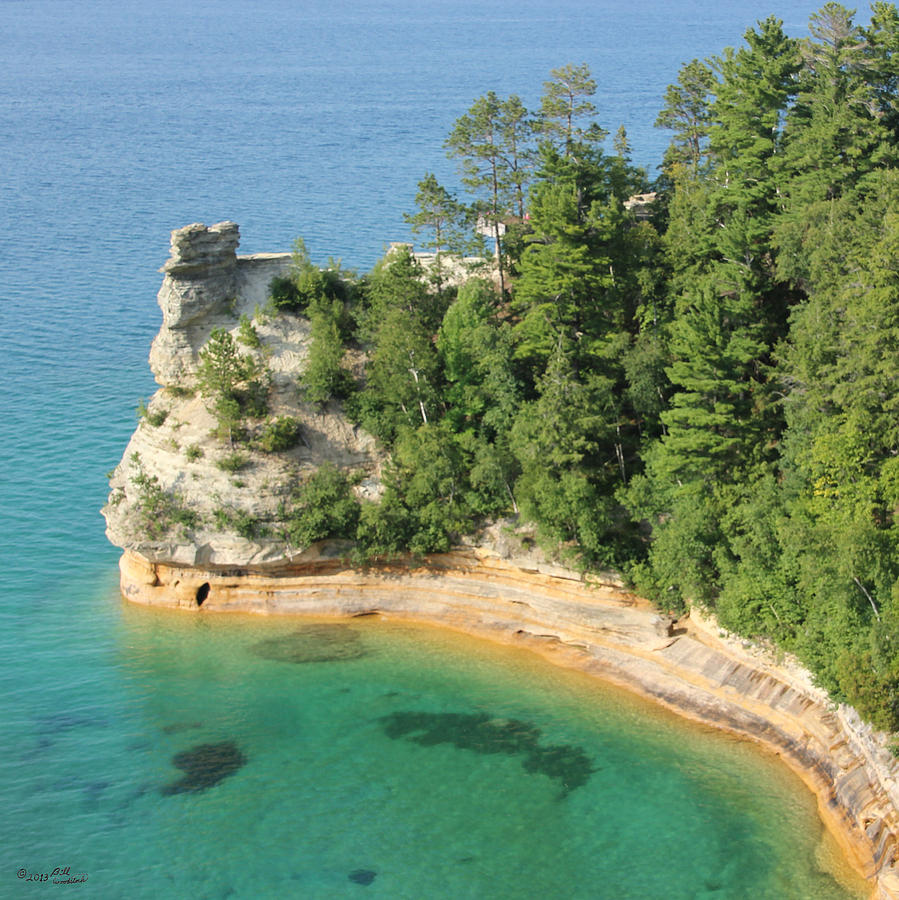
{"x":202,"y":529}
{"x":602,"y":629}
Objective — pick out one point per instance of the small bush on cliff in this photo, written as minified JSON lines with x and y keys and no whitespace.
{"x":247,"y":335}
{"x":179,"y":391}
{"x":158,"y":510}
{"x":283,"y":293}
{"x":324,"y":378}
{"x":238,"y":520}
{"x":222,"y":367}
{"x":151,"y":418}
{"x":278,"y":435}
{"x":234,"y":384}
{"x":232,"y":462}
{"x":321,"y":507}
{"x":308,"y":288}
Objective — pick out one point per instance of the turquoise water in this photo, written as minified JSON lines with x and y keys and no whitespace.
{"x":120,"y":121}
{"x":419,"y":763}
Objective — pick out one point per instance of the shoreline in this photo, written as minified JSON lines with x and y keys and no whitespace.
{"x":599,"y":628}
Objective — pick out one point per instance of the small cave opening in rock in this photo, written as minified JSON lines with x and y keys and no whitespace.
{"x":202,"y":593}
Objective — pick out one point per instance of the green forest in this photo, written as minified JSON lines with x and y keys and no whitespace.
{"x":698,"y":390}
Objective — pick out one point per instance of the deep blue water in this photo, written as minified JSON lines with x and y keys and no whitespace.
{"x":122,"y":120}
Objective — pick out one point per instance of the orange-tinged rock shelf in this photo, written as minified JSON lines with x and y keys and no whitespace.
{"x":604,"y":630}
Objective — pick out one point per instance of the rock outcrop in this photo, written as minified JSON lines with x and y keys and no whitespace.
{"x":224,"y":502}
{"x":206,"y":285}
{"x":495,"y":586}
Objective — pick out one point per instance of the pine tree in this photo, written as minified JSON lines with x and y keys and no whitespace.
{"x":445,"y":221}
{"x":755,"y":84}
{"x":687,"y":113}
{"x":564,"y":106}
{"x":490,"y":143}
{"x":835,"y":136}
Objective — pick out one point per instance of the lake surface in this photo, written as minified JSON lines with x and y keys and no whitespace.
{"x":121,"y":121}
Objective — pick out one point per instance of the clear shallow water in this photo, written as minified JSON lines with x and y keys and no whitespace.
{"x":121,"y":121}
{"x":445,"y":766}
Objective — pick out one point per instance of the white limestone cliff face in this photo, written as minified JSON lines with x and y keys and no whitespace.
{"x":206,"y":286}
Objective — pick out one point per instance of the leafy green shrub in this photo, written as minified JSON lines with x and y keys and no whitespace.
{"x":321,"y":507}
{"x":309,"y":287}
{"x":871,"y":686}
{"x":232,"y":462}
{"x":158,"y":510}
{"x":384,"y":530}
{"x":279,"y":435}
{"x":193,"y":452}
{"x":283,"y":294}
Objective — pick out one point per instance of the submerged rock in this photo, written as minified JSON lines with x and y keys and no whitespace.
{"x":362,"y":876}
{"x":482,"y":734}
{"x":313,"y":644}
{"x":204,"y":766}
{"x":177,"y":727}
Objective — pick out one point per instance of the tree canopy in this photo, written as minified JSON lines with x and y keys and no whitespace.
{"x":703,"y":394}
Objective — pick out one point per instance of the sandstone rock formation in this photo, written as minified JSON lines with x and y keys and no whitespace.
{"x":206,"y":286}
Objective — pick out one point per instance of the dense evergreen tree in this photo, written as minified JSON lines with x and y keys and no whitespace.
{"x":556,"y":440}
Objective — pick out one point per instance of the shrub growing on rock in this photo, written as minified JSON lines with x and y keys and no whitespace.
{"x":278,"y":435}
{"x":247,"y":335}
{"x":158,"y":510}
{"x":151,"y":418}
{"x":238,"y":520}
{"x":232,"y":462}
{"x":321,"y":507}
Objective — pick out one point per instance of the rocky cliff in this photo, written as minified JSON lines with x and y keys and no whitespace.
{"x":204,"y":558}
{"x":180,"y":496}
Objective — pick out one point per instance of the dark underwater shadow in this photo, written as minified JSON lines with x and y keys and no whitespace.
{"x":204,"y":766}
{"x":481,"y":733}
{"x":313,"y":644}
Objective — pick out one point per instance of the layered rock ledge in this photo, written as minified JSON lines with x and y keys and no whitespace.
{"x":602,"y":629}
